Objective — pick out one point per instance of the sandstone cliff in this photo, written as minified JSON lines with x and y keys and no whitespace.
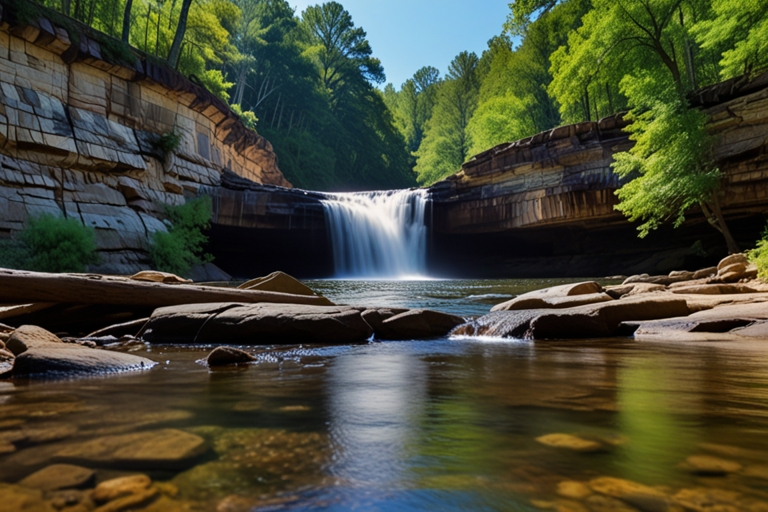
{"x":78,"y":134}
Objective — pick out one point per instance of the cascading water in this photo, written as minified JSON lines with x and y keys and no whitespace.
{"x":378,"y":235}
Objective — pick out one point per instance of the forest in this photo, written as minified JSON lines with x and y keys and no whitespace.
{"x":309,"y":82}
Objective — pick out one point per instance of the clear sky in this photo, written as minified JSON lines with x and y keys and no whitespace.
{"x":408,"y":34}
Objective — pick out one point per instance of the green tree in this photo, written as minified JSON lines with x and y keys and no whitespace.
{"x":51,"y":244}
{"x":740,"y":30}
{"x":648,"y":47}
{"x":446,"y":141}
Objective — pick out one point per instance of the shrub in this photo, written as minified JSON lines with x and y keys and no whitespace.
{"x":51,"y":244}
{"x":182,"y":247}
{"x":248,"y":118}
{"x":167,"y":143}
{"x":759,"y":255}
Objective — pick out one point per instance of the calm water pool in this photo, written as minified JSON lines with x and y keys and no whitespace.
{"x":447,"y":424}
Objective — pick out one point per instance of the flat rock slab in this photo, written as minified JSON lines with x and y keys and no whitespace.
{"x":590,"y":321}
{"x":722,"y":323}
{"x":75,"y":359}
{"x":58,"y":476}
{"x":523,"y":302}
{"x":553,"y":292}
{"x":256,"y":324}
{"x":155,"y":449}
{"x":417,"y":324}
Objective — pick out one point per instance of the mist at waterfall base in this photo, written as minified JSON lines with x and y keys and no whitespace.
{"x":378,"y":235}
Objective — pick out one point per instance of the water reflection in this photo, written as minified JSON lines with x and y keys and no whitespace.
{"x":374,"y":400}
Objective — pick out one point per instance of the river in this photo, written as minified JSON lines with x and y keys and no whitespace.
{"x":444,"y":424}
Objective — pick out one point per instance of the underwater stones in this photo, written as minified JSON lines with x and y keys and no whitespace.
{"x":417,"y":324}
{"x":58,"y":476}
{"x":635,"y":494}
{"x":17,"y":497}
{"x":119,"y":487}
{"x":222,"y":356}
{"x":570,"y":442}
{"x":257,"y":324}
{"x":704,"y":499}
{"x":709,"y":465}
{"x":573,"y":490}
{"x":154,"y":449}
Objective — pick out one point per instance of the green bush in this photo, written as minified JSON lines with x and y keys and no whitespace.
{"x":182,"y":247}
{"x":759,"y":255}
{"x":51,"y":244}
{"x":248,"y":118}
{"x":167,"y":143}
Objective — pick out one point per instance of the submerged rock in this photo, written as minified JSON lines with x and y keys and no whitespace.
{"x":58,"y":476}
{"x":570,"y":442}
{"x":120,"y":487}
{"x":708,"y":465}
{"x":155,"y":449}
{"x":257,"y":324}
{"x":222,"y":356}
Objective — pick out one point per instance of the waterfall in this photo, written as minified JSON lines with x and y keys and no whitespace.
{"x":378,"y":235}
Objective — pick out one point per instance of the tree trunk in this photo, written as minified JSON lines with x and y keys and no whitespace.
{"x":733,"y":247}
{"x":181,"y":28}
{"x":126,"y":21}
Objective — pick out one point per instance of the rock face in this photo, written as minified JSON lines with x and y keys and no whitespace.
{"x":78,"y":138}
{"x":544,"y":205}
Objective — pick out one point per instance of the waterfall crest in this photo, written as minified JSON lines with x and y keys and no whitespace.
{"x":378,"y":235}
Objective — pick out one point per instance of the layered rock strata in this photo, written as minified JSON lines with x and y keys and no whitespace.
{"x":79,"y":137}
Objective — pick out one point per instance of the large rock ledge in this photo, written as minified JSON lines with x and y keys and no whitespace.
{"x":723,"y":303}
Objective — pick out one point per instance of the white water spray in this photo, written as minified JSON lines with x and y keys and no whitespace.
{"x":378,"y":235}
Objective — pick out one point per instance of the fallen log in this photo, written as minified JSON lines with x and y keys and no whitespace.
{"x":19,"y":287}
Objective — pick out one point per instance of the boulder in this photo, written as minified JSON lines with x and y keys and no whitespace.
{"x":256,"y":324}
{"x":154,"y":276}
{"x":417,"y":324}
{"x":523,"y":302}
{"x":565,"y":290}
{"x":75,"y":359}
{"x":208,"y":272}
{"x":58,"y":476}
{"x":591,"y":321}
{"x":222,"y":356}
{"x":731,"y":260}
{"x":375,"y":317}
{"x":31,"y":336}
{"x":278,"y":282}
{"x":155,"y":449}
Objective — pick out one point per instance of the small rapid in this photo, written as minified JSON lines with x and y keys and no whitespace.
{"x":378,"y":235}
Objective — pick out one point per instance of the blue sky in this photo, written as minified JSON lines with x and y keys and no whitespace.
{"x":408,"y":34}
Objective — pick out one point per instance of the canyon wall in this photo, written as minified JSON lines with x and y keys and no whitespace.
{"x":545,"y":205}
{"x":80,"y":136}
